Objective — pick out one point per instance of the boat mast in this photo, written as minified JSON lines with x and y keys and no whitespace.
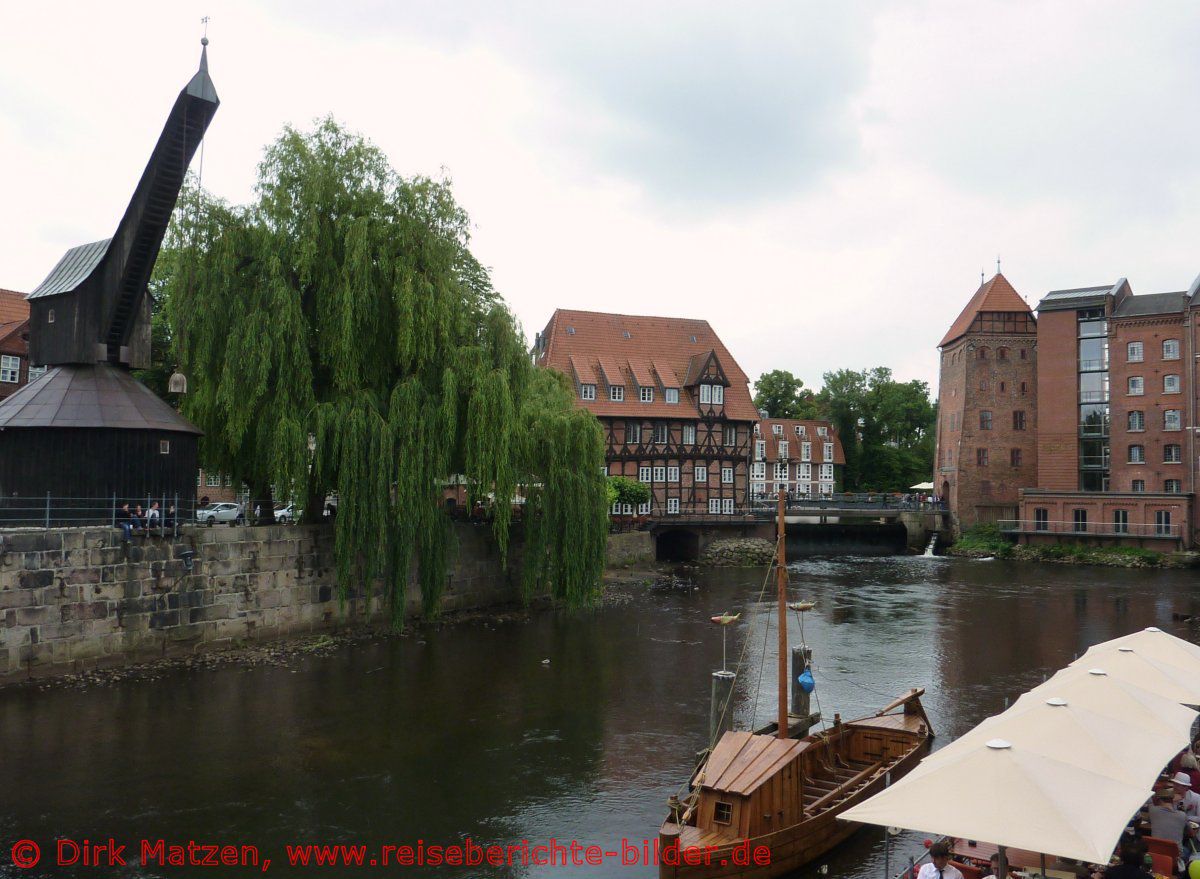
{"x":781,"y":583}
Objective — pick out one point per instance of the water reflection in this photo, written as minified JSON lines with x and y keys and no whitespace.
{"x":465,"y":731}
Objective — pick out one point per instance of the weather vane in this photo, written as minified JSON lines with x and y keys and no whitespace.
{"x":204,"y":21}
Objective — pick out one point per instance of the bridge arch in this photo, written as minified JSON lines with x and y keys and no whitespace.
{"x":677,"y":545}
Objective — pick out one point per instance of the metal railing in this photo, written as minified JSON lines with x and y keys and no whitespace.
{"x":865,"y":501}
{"x":53,"y":511}
{"x":1090,"y":529}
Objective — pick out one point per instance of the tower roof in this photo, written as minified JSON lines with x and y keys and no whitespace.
{"x":996,"y":294}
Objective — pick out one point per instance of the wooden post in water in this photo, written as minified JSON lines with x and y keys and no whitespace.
{"x":781,"y":583}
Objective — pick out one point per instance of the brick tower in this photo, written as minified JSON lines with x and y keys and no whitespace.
{"x":987,"y":407}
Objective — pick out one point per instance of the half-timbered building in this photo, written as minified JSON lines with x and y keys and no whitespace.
{"x":804,"y":458}
{"x":675,"y":405}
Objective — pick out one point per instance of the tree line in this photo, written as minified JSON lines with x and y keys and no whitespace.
{"x":886,"y":427}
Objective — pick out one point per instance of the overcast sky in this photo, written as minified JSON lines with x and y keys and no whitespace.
{"x":823,"y":182}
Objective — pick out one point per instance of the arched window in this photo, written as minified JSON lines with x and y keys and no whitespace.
{"x":983,"y":353}
{"x":1002,"y":353}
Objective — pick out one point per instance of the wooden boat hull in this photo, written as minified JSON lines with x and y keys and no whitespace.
{"x":793,"y":846}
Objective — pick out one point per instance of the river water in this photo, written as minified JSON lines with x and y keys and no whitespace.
{"x":467,"y":731}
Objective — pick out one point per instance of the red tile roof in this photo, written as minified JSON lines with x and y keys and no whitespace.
{"x":626,"y":345}
{"x":13,"y":306}
{"x":994,"y":295}
{"x":767,"y":432}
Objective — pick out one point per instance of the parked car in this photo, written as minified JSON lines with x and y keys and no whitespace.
{"x":288,"y":514}
{"x":220,"y":512}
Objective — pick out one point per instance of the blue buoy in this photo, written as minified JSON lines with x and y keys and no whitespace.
{"x":806,"y":682}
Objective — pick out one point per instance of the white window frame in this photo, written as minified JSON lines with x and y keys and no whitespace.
{"x":659,"y":474}
{"x":805,"y":473}
{"x":646,"y":395}
{"x":714,"y":505}
{"x":672,"y":474}
{"x":781,"y":471}
{"x":700,"y":475}
{"x":827,"y":473}
{"x":616,"y":393}
{"x":644,"y":473}
{"x":804,"y":489}
{"x":825,"y":488}
{"x":1172,"y":415}
{"x":758,"y":489}
{"x":1178,"y":459}
{"x":783,"y":449}
{"x":758,"y":470}
{"x":36,"y":372}
{"x":1173,"y":486}
{"x":1140,"y":420}
{"x":1136,"y":386}
{"x":760,"y":450}
{"x":1135,"y":352}
{"x":1137,"y":454}
{"x":727,"y":506}
{"x":800,"y":430}
{"x":726,"y":475}
{"x":672,"y":506}
{"x":10,"y":369}
{"x":1138,"y":486}
{"x":1167,"y":353}
{"x":1171,"y":384}
{"x":644,"y":508}
{"x":212,"y":480}
{"x":689,"y":434}
{"x":777,"y":429}
{"x":827,"y":452}
{"x":822,"y":431}
{"x":633,"y":432}
{"x":805,"y":451}
{"x":587,"y":392}
{"x":661,"y":429}
{"x":705,"y":393}
{"x":671,"y":395}
{"x":718,"y":395}
{"x":729,"y":435}
{"x":627,"y":509}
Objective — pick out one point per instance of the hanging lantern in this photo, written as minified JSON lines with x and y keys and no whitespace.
{"x":177,"y":383}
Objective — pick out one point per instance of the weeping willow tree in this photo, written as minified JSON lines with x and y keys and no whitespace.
{"x":339,"y":336}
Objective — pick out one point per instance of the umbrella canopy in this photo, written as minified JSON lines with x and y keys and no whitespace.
{"x":1152,"y":643}
{"x":1055,"y":727}
{"x":1096,"y":690}
{"x":921,"y":486}
{"x":1127,"y":663}
{"x":1010,"y":795}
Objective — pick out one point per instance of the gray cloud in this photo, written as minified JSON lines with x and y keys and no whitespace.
{"x":700,"y":103}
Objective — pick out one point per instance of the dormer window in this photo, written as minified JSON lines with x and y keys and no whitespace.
{"x":672,"y":395}
{"x":587,"y":392}
{"x":777,"y":429}
{"x":646,"y":395}
{"x":616,"y":393}
{"x":800,"y":431}
{"x":705,"y":393}
{"x":783,"y":449}
{"x":718,"y":394}
{"x":822,"y":431}
{"x":714,"y":394}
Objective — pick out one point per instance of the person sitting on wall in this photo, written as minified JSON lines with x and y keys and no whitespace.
{"x":153,"y":517}
{"x":939,"y":866}
{"x":138,"y":518}
{"x":125,"y":520}
{"x":169,"y":520}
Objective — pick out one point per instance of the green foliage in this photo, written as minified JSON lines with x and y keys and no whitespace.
{"x":886,"y":428}
{"x":338,"y":335}
{"x":984,"y":539}
{"x":783,"y":395}
{"x":629,"y":491}
{"x":1113,"y":556}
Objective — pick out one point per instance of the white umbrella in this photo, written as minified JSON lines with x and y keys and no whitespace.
{"x":1056,"y":727}
{"x":1010,"y":795}
{"x":921,"y":486}
{"x":1127,"y":663}
{"x":1098,"y":691}
{"x":1152,"y":643}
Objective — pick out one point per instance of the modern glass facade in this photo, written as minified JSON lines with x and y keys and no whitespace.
{"x":1094,"y":427}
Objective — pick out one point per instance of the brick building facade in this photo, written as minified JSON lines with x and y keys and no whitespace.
{"x":986,"y":446}
{"x":675,"y":406}
{"x":1116,"y":455}
{"x":805,"y":458}
{"x":16,"y":369}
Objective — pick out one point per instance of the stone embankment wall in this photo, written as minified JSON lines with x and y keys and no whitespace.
{"x":74,"y":599}
{"x":629,"y":548}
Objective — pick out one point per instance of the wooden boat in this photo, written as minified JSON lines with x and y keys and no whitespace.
{"x":764,"y":803}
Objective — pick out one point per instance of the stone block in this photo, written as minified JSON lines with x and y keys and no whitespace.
{"x":212,"y":612}
{"x":164,"y":619}
{"x":37,"y":616}
{"x":82,"y":574}
{"x":18,"y":598}
{"x":85,"y":610}
{"x":35,"y":579}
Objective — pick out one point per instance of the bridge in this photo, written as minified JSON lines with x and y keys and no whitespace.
{"x":815,"y":524}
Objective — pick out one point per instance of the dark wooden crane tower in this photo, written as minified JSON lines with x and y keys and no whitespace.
{"x":87,"y":429}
